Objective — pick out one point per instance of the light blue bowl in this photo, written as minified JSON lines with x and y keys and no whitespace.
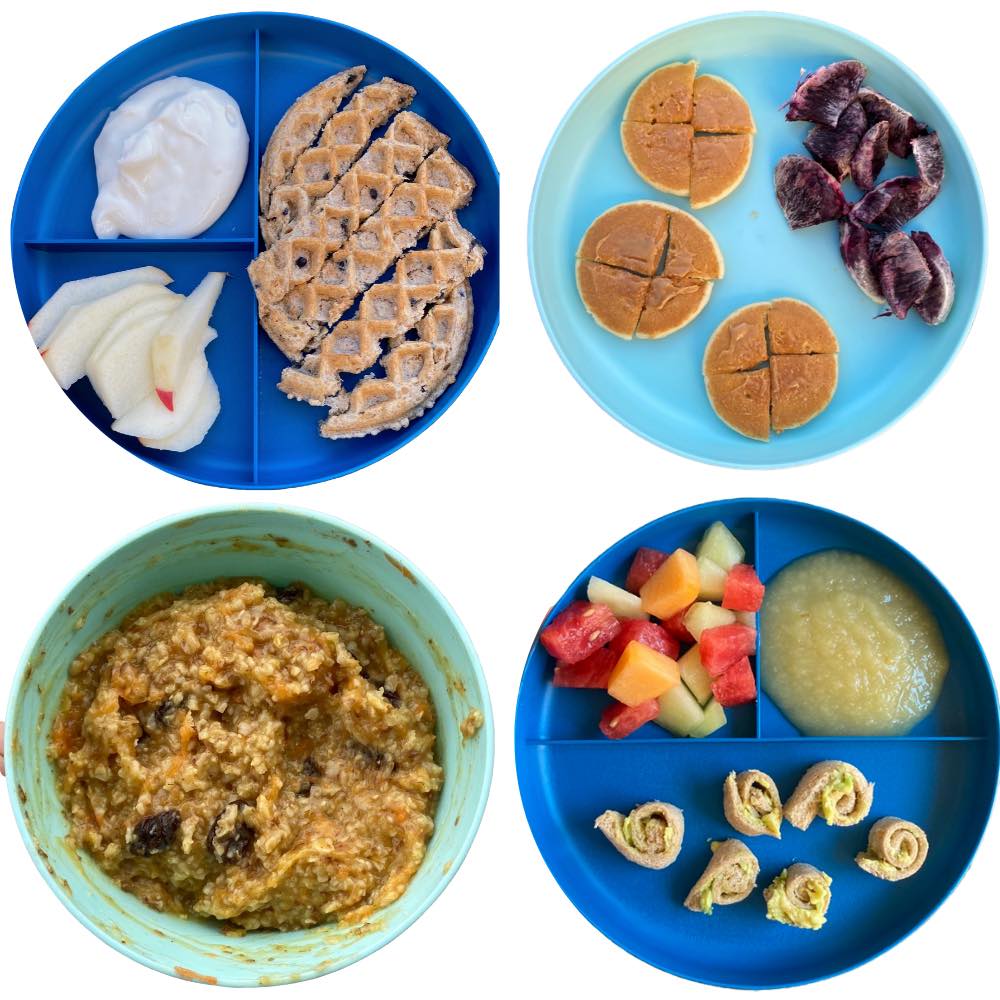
{"x":655,"y":387}
{"x":282,"y":545}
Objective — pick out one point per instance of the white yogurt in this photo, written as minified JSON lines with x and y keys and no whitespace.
{"x":169,"y":160}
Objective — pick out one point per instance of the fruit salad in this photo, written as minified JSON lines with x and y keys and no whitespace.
{"x":673,"y":646}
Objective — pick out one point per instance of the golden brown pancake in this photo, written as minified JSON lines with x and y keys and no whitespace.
{"x":796,"y":328}
{"x":739,"y":342}
{"x":743,"y":401}
{"x":660,"y":154}
{"x":664,"y":97}
{"x":802,"y":386}
{"x":670,"y":305}
{"x":632,"y":236}
{"x":692,"y":252}
{"x":720,"y":107}
{"x":612,"y":295}
{"x":718,"y":164}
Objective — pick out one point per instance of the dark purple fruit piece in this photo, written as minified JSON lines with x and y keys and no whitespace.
{"x":834,"y":147}
{"x":937,"y":301}
{"x":856,"y":249}
{"x":870,"y":156}
{"x":903,"y":274}
{"x":807,"y":194}
{"x":821,"y":96}
{"x":234,"y":841}
{"x":893,"y":203}
{"x":903,"y":127}
{"x":154,"y":834}
{"x":928,"y":156}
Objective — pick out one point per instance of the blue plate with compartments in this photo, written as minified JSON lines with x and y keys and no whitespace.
{"x":262,"y":440}
{"x":655,"y":388}
{"x":943,"y":776}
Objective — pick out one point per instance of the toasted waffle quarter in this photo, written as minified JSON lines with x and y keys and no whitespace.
{"x":771,"y":366}
{"x":688,"y":135}
{"x":645,"y":269}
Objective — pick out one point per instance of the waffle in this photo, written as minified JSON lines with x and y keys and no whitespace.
{"x":387,"y":163}
{"x":387,"y":311}
{"x":319,"y":167}
{"x":300,"y":127}
{"x":304,"y":316}
{"x":417,"y":372}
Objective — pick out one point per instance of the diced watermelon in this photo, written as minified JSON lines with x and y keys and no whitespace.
{"x":743,"y":591}
{"x":676,"y":627}
{"x":645,"y":563}
{"x":579,"y":630}
{"x":736,"y":686}
{"x":649,"y":634}
{"x":618,"y":721}
{"x":722,"y":646}
{"x":593,"y":672}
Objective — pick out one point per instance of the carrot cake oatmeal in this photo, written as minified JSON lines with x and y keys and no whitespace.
{"x":256,"y":755}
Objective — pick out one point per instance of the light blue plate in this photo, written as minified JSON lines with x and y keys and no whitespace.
{"x":655,"y":387}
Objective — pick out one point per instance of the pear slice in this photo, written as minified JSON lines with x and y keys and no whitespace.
{"x":151,"y":419}
{"x":200,"y":423}
{"x":179,"y":341}
{"x":80,"y":330}
{"x":83,"y":290}
{"x":119,"y":368}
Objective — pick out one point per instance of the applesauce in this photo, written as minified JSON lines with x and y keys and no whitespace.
{"x":848,"y":649}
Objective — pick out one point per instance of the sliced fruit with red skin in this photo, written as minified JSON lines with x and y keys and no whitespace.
{"x":593,"y":672}
{"x":744,"y":591}
{"x":618,"y":721}
{"x":723,"y":646}
{"x":736,"y":686}
{"x":676,"y":627}
{"x":649,"y":634}
{"x":579,"y":630}
{"x":644,"y":564}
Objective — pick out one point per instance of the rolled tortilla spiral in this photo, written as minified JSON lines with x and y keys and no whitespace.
{"x":752,"y":804}
{"x":897,"y":849}
{"x":833,"y":789}
{"x":651,"y":834}
{"x":807,"y":892}
{"x":729,"y":878}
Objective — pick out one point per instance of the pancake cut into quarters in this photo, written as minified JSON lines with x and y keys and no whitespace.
{"x":688,"y":135}
{"x":646,"y":269}
{"x":771,"y":366}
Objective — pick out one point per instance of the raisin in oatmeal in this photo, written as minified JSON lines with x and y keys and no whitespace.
{"x":259,"y":756}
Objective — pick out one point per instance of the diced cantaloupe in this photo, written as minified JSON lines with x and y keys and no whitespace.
{"x":715,"y":718}
{"x":672,"y":587}
{"x":703,"y":615}
{"x":712,"y":579}
{"x":695,"y":676}
{"x":679,"y":711}
{"x":642,"y":673}
{"x":621,"y":602}
{"x":721,"y":546}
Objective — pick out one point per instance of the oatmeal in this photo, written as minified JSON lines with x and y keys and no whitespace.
{"x":259,"y":756}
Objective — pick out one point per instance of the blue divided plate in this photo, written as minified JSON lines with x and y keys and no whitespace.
{"x":262,"y":440}
{"x":655,"y":387}
{"x":942,"y":776}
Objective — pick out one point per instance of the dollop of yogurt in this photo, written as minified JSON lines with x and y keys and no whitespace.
{"x":170,"y":159}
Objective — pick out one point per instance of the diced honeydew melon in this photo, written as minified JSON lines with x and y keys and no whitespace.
{"x":152,"y":420}
{"x":714,"y":719}
{"x":721,"y":546}
{"x":80,"y":330}
{"x":680,"y":712}
{"x":83,"y":290}
{"x":194,"y":431}
{"x":695,"y":676}
{"x":711,"y":578}
{"x":748,"y":618}
{"x":621,"y":602}
{"x":119,"y":368}
{"x":703,"y":614}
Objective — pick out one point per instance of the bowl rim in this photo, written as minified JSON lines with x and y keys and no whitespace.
{"x":471,"y":363}
{"x":486,"y":735}
{"x":549,"y":322}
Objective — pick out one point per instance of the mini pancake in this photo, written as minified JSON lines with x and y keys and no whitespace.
{"x":796,"y":328}
{"x":739,"y":342}
{"x":720,"y":107}
{"x":743,"y":401}
{"x":612,"y":295}
{"x":693,"y":252}
{"x":718,"y":165}
{"x":665,"y":96}
{"x":670,"y":305}
{"x":802,"y":386}
{"x":660,"y":154}
{"x":631,"y":236}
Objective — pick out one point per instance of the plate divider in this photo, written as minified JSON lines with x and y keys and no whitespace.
{"x":760,"y":618}
{"x":743,"y":740}
{"x":255,"y":229}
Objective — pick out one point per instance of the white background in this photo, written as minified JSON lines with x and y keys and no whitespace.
{"x":521,"y":496}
